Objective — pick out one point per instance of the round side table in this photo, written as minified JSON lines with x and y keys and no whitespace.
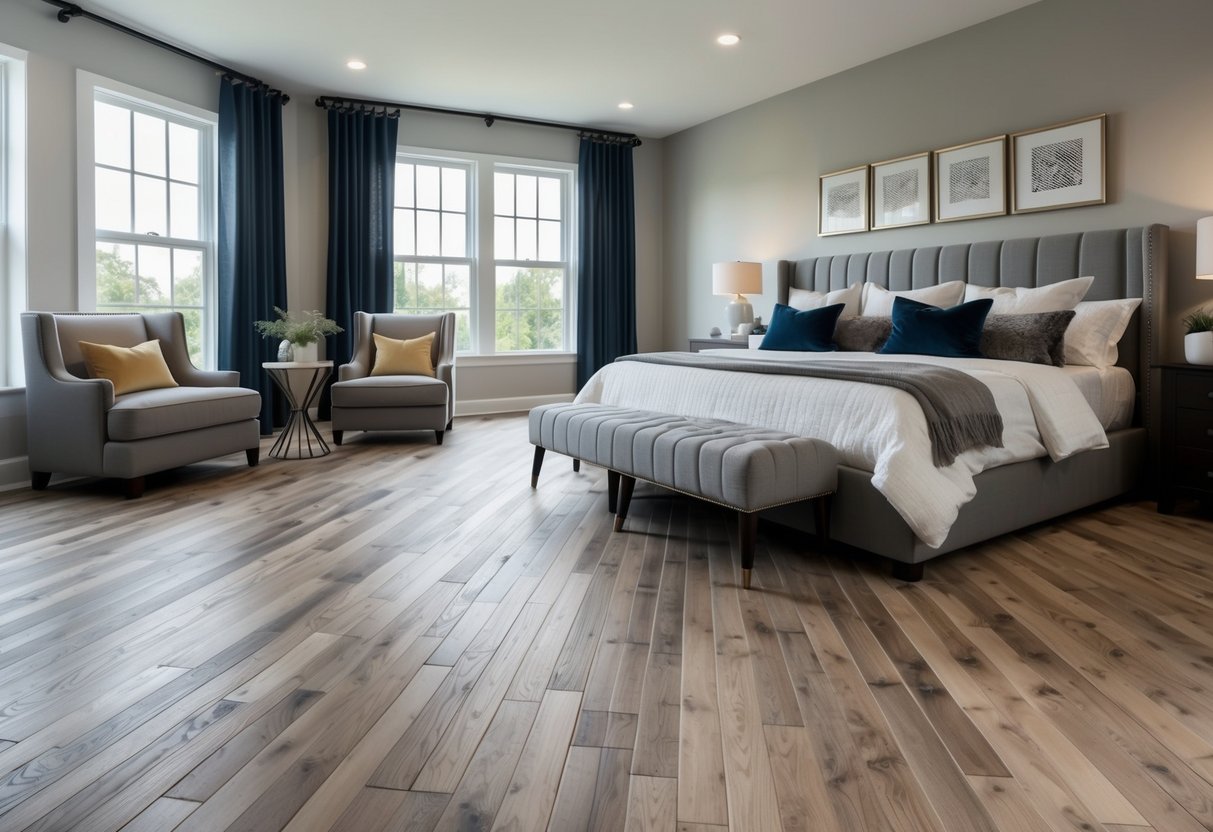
{"x":300,"y":431}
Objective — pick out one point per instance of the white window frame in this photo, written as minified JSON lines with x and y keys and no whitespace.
{"x":88,"y":88}
{"x":13,"y":274}
{"x":483,"y":314}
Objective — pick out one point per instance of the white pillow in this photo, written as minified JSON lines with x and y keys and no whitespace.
{"x":802,"y":299}
{"x":1097,"y":327}
{"x":878,"y":301}
{"x":1056,"y":297}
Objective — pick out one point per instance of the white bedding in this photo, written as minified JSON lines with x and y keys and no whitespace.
{"x":1110,"y":392}
{"x":875,"y":428}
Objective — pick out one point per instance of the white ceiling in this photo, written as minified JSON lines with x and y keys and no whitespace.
{"x":561,"y":60}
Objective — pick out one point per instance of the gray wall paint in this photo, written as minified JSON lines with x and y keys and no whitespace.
{"x":58,"y":50}
{"x":744,"y":186}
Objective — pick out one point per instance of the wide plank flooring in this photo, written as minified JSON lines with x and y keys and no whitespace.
{"x":401,"y":636}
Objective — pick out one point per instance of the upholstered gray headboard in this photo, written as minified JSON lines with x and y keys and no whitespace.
{"x":1126,"y":263}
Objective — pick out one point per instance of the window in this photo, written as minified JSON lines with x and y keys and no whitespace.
{"x":531,"y":258}
{"x":12,"y":212}
{"x":153,"y":214}
{"x":432,"y":238}
{"x":490,"y":240}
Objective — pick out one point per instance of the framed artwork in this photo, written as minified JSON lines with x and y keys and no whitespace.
{"x":901,"y":191}
{"x":843,"y":202}
{"x":1061,"y":166}
{"x":971,"y":180}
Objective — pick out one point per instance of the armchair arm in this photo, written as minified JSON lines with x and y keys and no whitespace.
{"x":169,"y":327}
{"x":446,"y":373}
{"x":359,"y":365}
{"x":66,"y":428}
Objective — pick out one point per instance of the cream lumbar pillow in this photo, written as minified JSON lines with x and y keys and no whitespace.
{"x":410,"y":357}
{"x":803,"y":299}
{"x":130,"y":369}
{"x":878,"y":301}
{"x":1056,"y":297}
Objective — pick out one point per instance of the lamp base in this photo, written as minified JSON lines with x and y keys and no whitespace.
{"x":738,"y":312}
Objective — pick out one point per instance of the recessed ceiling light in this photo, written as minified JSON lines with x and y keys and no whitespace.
{"x":356,"y":64}
{"x":626,"y":105}
{"x":728,"y":40}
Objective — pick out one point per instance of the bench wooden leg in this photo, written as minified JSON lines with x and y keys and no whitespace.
{"x":39,"y":480}
{"x":612,"y":490}
{"x":910,"y":572}
{"x":576,"y":465}
{"x":624,"y":500}
{"x":747,"y":531}
{"x":823,"y":505}
{"x":537,"y":466}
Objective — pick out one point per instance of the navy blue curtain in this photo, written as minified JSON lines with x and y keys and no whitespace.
{"x":252,"y":239}
{"x":606,"y":235}
{"x":362,"y":182}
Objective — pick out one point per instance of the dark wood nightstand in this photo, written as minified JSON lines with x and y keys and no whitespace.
{"x":1186,"y":466}
{"x":721,"y":343}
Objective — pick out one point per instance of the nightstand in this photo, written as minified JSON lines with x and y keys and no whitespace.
{"x":1186,"y":466}
{"x":720,"y":343}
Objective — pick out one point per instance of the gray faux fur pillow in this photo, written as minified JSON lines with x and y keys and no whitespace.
{"x":862,"y":334}
{"x":1039,"y":338}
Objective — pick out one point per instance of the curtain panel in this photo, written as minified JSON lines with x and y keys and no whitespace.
{"x":252,"y":240}
{"x":606,"y":263}
{"x":362,"y":182}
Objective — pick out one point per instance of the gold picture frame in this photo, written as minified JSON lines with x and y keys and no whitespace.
{"x":843,"y":203}
{"x":1060,"y":166}
{"x":970,"y":180}
{"x":901,"y":191}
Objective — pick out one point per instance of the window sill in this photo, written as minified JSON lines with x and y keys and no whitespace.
{"x":516,"y":358}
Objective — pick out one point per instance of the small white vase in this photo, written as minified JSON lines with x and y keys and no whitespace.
{"x":286,"y":351}
{"x":309,"y":352}
{"x":1198,"y":348}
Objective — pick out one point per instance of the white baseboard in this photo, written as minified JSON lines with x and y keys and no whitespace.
{"x":516,"y":404}
{"x":14,"y":473}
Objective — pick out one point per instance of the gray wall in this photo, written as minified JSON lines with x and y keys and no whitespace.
{"x":58,"y":50}
{"x":744,"y":186}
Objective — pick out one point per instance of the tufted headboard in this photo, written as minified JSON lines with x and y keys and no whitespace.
{"x":1126,"y":263}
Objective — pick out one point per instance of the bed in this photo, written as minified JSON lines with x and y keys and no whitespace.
{"x":1005,"y":493}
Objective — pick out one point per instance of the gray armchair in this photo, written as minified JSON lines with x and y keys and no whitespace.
{"x":365,"y":402}
{"x":76,"y":425}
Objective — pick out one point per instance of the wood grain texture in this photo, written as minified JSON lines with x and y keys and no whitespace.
{"x":405,"y":637}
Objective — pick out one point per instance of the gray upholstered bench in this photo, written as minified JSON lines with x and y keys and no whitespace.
{"x":745,"y":468}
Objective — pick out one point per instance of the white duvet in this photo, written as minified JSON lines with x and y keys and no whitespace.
{"x":875,"y":428}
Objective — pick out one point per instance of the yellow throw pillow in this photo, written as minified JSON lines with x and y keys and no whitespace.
{"x":410,"y":357}
{"x":131,"y":369}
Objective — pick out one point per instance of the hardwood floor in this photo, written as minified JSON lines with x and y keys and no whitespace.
{"x":405,"y":637}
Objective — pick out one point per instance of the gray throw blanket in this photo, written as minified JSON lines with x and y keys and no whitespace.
{"x":960,"y":410}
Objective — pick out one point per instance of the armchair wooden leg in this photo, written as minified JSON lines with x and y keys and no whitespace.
{"x":747,"y":532}
{"x":612,"y":490}
{"x":438,"y":434}
{"x":450,"y":423}
{"x":39,"y":480}
{"x":337,"y":435}
{"x":134,"y":487}
{"x":537,"y":466}
{"x":253,"y":455}
{"x":576,"y":465}
{"x":624,"y":500}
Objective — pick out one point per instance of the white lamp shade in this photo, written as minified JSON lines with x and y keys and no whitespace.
{"x":737,"y":278}
{"x":1204,"y":249}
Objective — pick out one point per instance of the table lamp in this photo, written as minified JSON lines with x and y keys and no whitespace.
{"x":737,"y":279}
{"x":1204,"y":249}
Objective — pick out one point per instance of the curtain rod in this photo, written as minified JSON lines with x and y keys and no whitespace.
{"x":337,"y":101}
{"x":69,"y":10}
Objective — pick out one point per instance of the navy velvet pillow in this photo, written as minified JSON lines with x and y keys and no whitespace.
{"x":809,"y":331}
{"x":922,"y":329}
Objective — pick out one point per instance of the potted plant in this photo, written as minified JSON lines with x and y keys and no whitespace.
{"x":299,"y":335}
{"x":1198,"y":343}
